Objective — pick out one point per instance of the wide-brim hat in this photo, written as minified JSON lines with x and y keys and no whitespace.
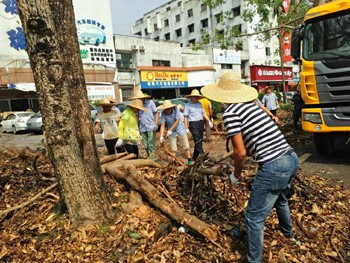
{"x":105,"y":102}
{"x":166,"y":105}
{"x":229,"y":89}
{"x":139,"y":95}
{"x":195,"y":93}
{"x":138,"y":104}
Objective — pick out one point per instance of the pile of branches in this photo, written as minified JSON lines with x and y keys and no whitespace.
{"x":41,"y":231}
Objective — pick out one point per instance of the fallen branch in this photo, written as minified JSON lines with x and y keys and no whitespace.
{"x":227,"y":155}
{"x":335,"y":248}
{"x":137,"y":163}
{"x":140,"y":184}
{"x":174,"y":157}
{"x":204,"y":171}
{"x":109,"y":158}
{"x":3,"y":213}
{"x":38,"y":172}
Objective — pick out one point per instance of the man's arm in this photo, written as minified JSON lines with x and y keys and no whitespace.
{"x":186,"y":122}
{"x":156,"y":117}
{"x":97,"y":127}
{"x":239,"y":154}
{"x":174,"y":125}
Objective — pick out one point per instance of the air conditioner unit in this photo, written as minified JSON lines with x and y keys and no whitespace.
{"x":142,"y":48}
{"x":133,"y":47}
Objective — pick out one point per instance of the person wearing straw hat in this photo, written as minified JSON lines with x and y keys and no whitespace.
{"x":193,"y":119}
{"x":148,"y":123}
{"x":108,"y":120}
{"x":171,"y":117}
{"x":128,"y":130}
{"x":250,"y":129}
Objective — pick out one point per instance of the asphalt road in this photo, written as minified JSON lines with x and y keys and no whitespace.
{"x":335,"y":167}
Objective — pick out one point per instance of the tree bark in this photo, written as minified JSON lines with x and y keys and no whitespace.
{"x":53,"y":49}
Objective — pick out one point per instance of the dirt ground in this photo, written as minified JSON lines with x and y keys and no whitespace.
{"x":42,"y":232}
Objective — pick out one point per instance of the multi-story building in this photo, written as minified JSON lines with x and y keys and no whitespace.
{"x":185,"y":21}
{"x":95,"y":36}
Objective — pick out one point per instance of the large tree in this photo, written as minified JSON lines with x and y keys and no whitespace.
{"x":53,"y":49}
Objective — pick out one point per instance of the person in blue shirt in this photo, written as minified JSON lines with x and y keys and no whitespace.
{"x":171,"y":117}
{"x":193,"y":119}
{"x":147,"y":123}
{"x":270,"y":100}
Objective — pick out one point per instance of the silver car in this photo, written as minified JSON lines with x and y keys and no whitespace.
{"x":35,"y":123}
{"x":15,"y":122}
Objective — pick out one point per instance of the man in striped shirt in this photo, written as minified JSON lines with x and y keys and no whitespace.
{"x":251,"y":129}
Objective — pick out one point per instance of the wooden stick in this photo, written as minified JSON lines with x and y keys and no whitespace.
{"x":227,"y":155}
{"x":335,"y":248}
{"x":141,"y":185}
{"x":204,"y":171}
{"x":109,"y":158}
{"x":174,"y":157}
{"x":3,"y":213}
{"x":136,"y":162}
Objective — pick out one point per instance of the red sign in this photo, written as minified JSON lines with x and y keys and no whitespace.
{"x":286,"y":46}
{"x":268,"y":73}
{"x":286,"y":5}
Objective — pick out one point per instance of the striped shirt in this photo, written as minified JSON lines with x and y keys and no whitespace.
{"x":261,"y":136}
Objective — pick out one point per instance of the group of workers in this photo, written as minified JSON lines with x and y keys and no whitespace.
{"x":251,"y":128}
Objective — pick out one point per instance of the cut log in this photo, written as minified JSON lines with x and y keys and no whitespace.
{"x":204,"y":171}
{"x":141,"y":185}
{"x":109,"y":158}
{"x":137,"y":163}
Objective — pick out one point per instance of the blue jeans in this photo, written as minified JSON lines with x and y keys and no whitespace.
{"x":268,"y":191}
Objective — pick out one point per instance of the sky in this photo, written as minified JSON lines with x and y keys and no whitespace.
{"x":126,"y":12}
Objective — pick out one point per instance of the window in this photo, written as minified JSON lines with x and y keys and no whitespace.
{"x":178,"y":3}
{"x":219,"y":18}
{"x":177,"y":18}
{"x":138,"y":33}
{"x":236,"y":11}
{"x":203,"y":7}
{"x":226,"y":66}
{"x":146,"y":32}
{"x":160,"y":63}
{"x":156,"y":39}
{"x":204,"y":23}
{"x":190,"y":28}
{"x":178,"y":32}
{"x":268,"y":51}
{"x":191,"y":42}
{"x":190,"y":12}
{"x":167,"y":36}
{"x":155,"y":26}
{"x":124,"y":60}
{"x":166,"y":22}
{"x":168,"y":8}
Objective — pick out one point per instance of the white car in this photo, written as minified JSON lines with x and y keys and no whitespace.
{"x":15,"y":122}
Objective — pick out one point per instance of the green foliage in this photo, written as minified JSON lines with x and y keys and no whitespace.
{"x":216,"y":107}
{"x":213,"y":3}
{"x":260,"y":96}
{"x":287,"y":107}
{"x":278,"y":95}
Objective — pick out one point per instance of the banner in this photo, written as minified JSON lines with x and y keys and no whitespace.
{"x":163,"y":79}
{"x":286,"y":5}
{"x":286,"y":46}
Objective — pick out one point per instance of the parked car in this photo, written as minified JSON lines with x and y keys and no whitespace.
{"x":93,"y":112}
{"x":16,"y":121}
{"x":35,"y":123}
{"x":181,"y":101}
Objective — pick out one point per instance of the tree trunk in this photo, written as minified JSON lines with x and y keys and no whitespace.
{"x":53,"y":49}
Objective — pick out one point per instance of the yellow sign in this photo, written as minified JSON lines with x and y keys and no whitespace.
{"x":163,"y":79}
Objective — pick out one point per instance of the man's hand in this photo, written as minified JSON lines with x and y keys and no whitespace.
{"x":161,"y":139}
{"x":211,"y":125}
{"x":119,"y":143}
{"x":169,"y":133}
{"x":155,"y":128}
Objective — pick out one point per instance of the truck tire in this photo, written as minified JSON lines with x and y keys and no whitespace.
{"x":324,"y":143}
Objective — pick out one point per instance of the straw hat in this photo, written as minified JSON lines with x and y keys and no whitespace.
{"x":195,"y":93}
{"x":139,"y":95}
{"x":229,"y":89}
{"x":166,"y":105}
{"x":138,"y":104}
{"x":105,"y":102}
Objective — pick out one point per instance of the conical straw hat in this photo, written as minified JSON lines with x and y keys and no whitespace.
{"x":138,"y":104}
{"x":195,"y":93}
{"x":139,"y":95}
{"x":105,"y":102}
{"x":166,"y":105}
{"x":229,"y":89}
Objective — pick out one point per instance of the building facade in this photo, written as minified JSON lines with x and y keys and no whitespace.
{"x":95,"y":36}
{"x":185,"y":21}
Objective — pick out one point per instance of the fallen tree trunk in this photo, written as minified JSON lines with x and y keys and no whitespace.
{"x":137,"y":163}
{"x":141,"y":185}
{"x":109,"y":158}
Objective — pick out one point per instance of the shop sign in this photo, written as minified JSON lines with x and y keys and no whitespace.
{"x":226,"y":56}
{"x":98,"y":92}
{"x":163,"y":79}
{"x":265,"y":73}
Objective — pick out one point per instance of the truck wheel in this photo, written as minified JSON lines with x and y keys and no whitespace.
{"x":324,"y":143}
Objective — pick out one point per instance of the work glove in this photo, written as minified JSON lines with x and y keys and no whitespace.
{"x":161,"y":139}
{"x":211,"y":119}
{"x":169,"y":133}
{"x":211,"y":125}
{"x":119,"y":143}
{"x":278,"y":106}
{"x":155,"y":128}
{"x":233,"y":179}
{"x":188,"y":131}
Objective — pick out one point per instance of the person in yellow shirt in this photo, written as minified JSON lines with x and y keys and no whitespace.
{"x":206,"y":104}
{"x":128,"y":129}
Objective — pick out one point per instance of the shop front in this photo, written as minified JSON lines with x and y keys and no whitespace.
{"x":262,"y":76}
{"x":170,"y":82}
